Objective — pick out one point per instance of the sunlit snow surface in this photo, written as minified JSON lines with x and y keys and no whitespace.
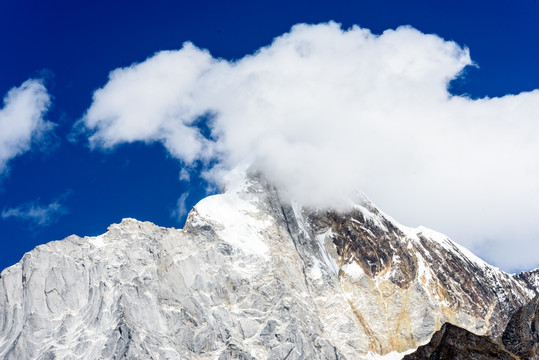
{"x":393,"y":355}
{"x":242,"y":224}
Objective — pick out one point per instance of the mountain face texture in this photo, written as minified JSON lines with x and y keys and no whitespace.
{"x":530,"y":278}
{"x":454,"y":343}
{"x":522,"y":333}
{"x":520,"y":340}
{"x":251,"y":277}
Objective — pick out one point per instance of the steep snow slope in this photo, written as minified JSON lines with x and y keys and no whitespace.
{"x":250,"y":276}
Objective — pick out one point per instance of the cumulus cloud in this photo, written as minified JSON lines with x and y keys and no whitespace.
{"x":34,"y":212}
{"x":21,"y":119}
{"x":326,"y":112}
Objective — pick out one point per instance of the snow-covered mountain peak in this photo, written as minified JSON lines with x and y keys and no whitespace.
{"x":250,"y":277}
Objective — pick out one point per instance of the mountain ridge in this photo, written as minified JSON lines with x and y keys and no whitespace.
{"x":251,"y":276}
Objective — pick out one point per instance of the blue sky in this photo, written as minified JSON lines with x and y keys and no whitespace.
{"x":61,"y":186}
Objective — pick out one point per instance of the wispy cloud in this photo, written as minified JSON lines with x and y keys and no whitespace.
{"x":181,"y":207}
{"x":184,"y":175}
{"x":324,"y":112}
{"x":21,"y":119}
{"x":36,"y":213}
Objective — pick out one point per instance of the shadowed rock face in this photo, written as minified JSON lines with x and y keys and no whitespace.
{"x":520,"y":340}
{"x":374,"y":247}
{"x":406,"y":267}
{"x":249,"y":277}
{"x":454,"y":343}
{"x":522,"y":333}
{"x":530,"y":278}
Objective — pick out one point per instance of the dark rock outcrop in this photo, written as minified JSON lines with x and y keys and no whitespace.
{"x":520,"y":340}
{"x":453,"y":343}
{"x":522,"y":333}
{"x":529,"y":278}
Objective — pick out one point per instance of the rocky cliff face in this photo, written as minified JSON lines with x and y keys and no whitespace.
{"x":250,"y":277}
{"x":522,"y":333}
{"x":452,"y":343}
{"x":520,"y":340}
{"x":529,"y":278}
{"x":420,"y":276}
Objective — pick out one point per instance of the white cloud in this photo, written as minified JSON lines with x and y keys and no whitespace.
{"x":21,"y":119}
{"x":153,"y":101}
{"x":325,"y":112}
{"x":41,"y":215}
{"x":181,"y":207}
{"x":184,"y":175}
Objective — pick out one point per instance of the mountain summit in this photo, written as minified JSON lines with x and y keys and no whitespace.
{"x":251,"y":276}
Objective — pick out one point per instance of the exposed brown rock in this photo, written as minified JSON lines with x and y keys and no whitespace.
{"x":454,"y":343}
{"x":522,"y":333}
{"x":378,"y":245}
{"x":358,"y":239}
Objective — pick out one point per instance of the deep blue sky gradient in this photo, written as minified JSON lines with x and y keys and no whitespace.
{"x":73,"y":45}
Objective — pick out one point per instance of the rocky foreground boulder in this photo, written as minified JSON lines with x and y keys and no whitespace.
{"x":522,"y":333}
{"x":520,"y":340}
{"x":454,"y":343}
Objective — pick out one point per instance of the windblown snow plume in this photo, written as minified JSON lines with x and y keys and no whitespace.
{"x":325,"y":112}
